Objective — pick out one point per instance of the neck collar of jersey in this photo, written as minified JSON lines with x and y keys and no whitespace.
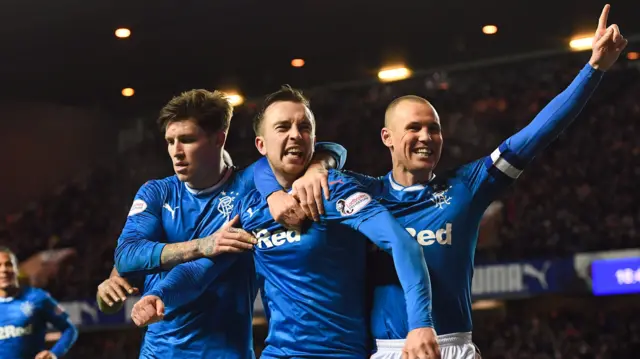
{"x":225,"y":176}
{"x":416,"y":187}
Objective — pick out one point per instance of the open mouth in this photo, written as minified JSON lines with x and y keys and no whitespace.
{"x":423,"y":152}
{"x":294,"y":152}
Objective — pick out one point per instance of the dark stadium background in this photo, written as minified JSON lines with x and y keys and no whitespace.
{"x":75,"y":150}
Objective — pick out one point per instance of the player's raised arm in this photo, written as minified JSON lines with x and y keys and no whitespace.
{"x":305,"y":200}
{"x":60,"y":320}
{"x":607,"y":45}
{"x":352,"y":206}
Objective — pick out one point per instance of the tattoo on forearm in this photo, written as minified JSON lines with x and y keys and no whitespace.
{"x":206,"y":246}
{"x":177,"y":253}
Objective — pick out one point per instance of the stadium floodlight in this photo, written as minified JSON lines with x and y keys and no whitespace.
{"x":489,"y":29}
{"x":297,"y":62}
{"x":487,"y":304}
{"x":394,"y":74}
{"x":123,"y":33}
{"x":234,"y":98}
{"x":127,"y":92}
{"x":581,"y":43}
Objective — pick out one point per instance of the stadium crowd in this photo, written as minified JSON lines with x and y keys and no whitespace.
{"x":578,"y":196}
{"x":610,"y":330}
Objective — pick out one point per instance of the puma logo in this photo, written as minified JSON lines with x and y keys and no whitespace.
{"x":173,"y":211}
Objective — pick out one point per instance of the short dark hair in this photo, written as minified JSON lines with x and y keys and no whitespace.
{"x":212,"y":111}
{"x":286,"y":93}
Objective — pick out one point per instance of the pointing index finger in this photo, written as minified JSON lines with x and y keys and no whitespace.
{"x":602,"y":23}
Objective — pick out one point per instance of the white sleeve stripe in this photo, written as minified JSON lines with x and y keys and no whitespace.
{"x":504,"y":166}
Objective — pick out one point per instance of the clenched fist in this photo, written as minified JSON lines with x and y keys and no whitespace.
{"x":148,"y":310}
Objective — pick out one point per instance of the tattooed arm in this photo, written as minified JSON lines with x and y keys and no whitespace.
{"x":206,"y":247}
{"x":141,"y":248}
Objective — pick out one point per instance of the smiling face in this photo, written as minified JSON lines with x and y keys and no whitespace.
{"x":413,"y":135}
{"x":287,"y":138}
{"x":8,"y":271}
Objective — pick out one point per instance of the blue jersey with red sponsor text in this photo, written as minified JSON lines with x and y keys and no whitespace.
{"x":23,"y":324}
{"x":444,"y":216}
{"x":313,"y":283}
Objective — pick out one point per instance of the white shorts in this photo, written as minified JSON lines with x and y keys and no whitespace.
{"x":452,"y":346}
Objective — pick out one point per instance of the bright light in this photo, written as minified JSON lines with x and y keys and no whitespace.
{"x":489,"y":29}
{"x":633,"y":55}
{"x":487,"y":304}
{"x":128,"y":92}
{"x":394,"y":74}
{"x":297,"y":62}
{"x":123,"y":33}
{"x":581,"y":43}
{"x":235,"y":99}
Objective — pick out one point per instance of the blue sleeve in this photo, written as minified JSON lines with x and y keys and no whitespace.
{"x":336,"y":151}
{"x":139,"y":246}
{"x":555,"y":117}
{"x":373,"y":185}
{"x":265,"y":180}
{"x":489,"y":176}
{"x":521,"y":148}
{"x":352,"y":205}
{"x":187,"y":281}
{"x":55,"y":315}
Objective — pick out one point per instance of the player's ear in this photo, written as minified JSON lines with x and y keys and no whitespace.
{"x":385,"y":135}
{"x":221,"y":138}
{"x":260,"y":145}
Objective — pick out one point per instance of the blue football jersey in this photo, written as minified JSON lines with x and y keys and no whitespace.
{"x":444,"y":216}
{"x":218,"y":323}
{"x":23,"y":324}
{"x":314,"y":283}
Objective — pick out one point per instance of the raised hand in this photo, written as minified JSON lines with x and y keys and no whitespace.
{"x":608,"y":43}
